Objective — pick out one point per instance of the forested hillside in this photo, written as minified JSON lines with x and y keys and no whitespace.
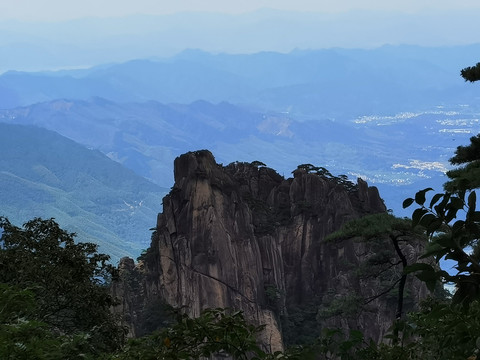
{"x":43,"y":174}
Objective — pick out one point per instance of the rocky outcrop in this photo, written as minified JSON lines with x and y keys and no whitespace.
{"x":241,"y":236}
{"x":129,"y":290}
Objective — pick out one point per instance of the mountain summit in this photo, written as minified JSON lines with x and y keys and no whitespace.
{"x":243,"y":237}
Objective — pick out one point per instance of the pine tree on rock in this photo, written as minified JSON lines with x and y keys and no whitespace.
{"x":471,"y":73}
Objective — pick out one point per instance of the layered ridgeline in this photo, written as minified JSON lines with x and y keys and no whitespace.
{"x":242,"y":236}
{"x":327,"y":84}
{"x":400,"y":154}
{"x":43,"y":174}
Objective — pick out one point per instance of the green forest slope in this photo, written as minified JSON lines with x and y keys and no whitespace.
{"x":43,"y":174}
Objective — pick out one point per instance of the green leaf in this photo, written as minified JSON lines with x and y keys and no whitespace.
{"x":432,"y":249}
{"x":435,"y":199}
{"x":420,"y":196}
{"x":473,"y":229}
{"x":356,"y":335}
{"x":431,"y":284}
{"x":426,"y":220}
{"x":434,"y":226}
{"x":451,"y":214}
{"x":457,"y":227}
{"x":440,"y":208}
{"x":474,"y":216}
{"x":417,"y":215}
{"x":427,"y":275}
{"x":472,"y":200}
{"x":407,"y":202}
{"x":443,"y":274}
{"x":418,"y":267}
{"x":455,"y":203}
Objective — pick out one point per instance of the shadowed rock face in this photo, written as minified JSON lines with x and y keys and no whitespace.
{"x":243,"y":237}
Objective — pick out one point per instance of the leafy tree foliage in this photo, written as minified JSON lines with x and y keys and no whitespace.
{"x":336,"y":344}
{"x":54,"y":304}
{"x":20,"y":336}
{"x":326,"y":175}
{"x":441,"y":329}
{"x":467,"y":176}
{"x":311,"y":169}
{"x":471,"y":73}
{"x":437,"y":331}
{"x":386,"y":233}
{"x":450,"y":238}
{"x":257,"y":163}
{"x":453,"y":225}
{"x":300,"y":325}
{"x":23,"y":336}
{"x":63,"y":281}
{"x":214,"y":333}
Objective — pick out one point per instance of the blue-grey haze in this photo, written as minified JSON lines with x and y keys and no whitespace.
{"x":392,"y":115}
{"x":90,"y":41}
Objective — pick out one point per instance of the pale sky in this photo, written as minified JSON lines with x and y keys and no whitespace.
{"x":54,"y":10}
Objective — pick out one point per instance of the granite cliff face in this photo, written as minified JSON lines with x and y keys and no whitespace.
{"x":243,"y":237}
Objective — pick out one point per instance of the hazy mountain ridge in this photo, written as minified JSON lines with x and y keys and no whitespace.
{"x":335,"y":83}
{"x":399,"y":153}
{"x":78,"y":42}
{"x":143,"y":136}
{"x":392,"y":116}
{"x":46,"y":175}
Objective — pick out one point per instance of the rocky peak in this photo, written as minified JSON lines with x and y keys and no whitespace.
{"x":241,"y":236}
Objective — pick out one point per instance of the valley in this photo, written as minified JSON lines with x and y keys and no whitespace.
{"x":244,"y":180}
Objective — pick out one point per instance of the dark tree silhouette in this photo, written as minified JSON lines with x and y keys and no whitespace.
{"x":466,"y":176}
{"x":471,"y":73}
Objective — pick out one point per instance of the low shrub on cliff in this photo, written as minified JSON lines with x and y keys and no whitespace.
{"x":216,"y":332}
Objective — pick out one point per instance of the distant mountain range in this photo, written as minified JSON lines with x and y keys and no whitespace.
{"x":145,"y":137}
{"x":325,"y":84}
{"x":391,"y":115}
{"x":400,"y":154}
{"x":43,"y":174}
{"x":30,"y":46}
